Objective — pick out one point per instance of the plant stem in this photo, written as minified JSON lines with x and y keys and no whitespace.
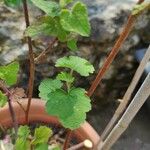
{"x":43,"y":53}
{"x":32,"y":65}
{"x":12,"y":112}
{"x":137,"y":102}
{"x":128,"y":94}
{"x":67,"y":139}
{"x":125,"y":33}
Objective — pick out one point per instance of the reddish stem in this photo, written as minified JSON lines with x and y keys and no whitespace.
{"x":12,"y":112}
{"x":125,"y":33}
{"x":67,"y":140}
{"x":32,"y":65}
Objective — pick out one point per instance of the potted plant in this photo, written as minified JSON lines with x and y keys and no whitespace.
{"x":68,"y":105}
{"x":62,"y":104}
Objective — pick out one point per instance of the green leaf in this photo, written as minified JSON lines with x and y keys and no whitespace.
{"x":76,"y":20}
{"x":9,"y":73}
{"x":80,"y":65}
{"x":70,"y":107}
{"x":3,"y":99}
{"x":72,"y":44}
{"x":64,"y":76}
{"x":23,"y":132}
{"x":42,"y":146}
{"x":49,"y":7}
{"x":140,"y":7}
{"x":47,"y":86}
{"x":41,"y":135}
{"x":45,"y":25}
{"x":22,"y":144}
{"x":63,"y":3}
{"x":12,"y":3}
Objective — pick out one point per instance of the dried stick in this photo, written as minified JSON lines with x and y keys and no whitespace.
{"x":12,"y":112}
{"x":43,"y":53}
{"x":127,"y":29}
{"x":31,"y":58}
{"x":127,"y":95}
{"x":85,"y":144}
{"x":137,"y":102}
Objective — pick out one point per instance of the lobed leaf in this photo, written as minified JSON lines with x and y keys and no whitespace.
{"x":9,"y":73}
{"x":64,"y":76}
{"x":49,"y":7}
{"x":47,"y":26}
{"x":47,"y":86}
{"x":23,"y":132}
{"x":70,"y":107}
{"x":41,"y":135}
{"x":3,"y":99}
{"x":76,"y":20}
{"x":80,"y":65}
{"x":22,"y":143}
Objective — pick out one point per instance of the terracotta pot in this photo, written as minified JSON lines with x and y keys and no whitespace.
{"x":37,"y":114}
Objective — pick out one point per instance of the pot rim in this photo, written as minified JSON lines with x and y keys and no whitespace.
{"x":37,"y":113}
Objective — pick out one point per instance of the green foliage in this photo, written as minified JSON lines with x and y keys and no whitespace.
{"x":12,"y":3}
{"x":60,"y":22}
{"x":76,"y":20}
{"x":63,"y":3}
{"x":72,"y":44}
{"x":80,"y":65}
{"x":64,"y":76}
{"x":23,"y":132}
{"x":70,"y":107}
{"x":9,"y":73}
{"x":22,"y":142}
{"x":49,"y":7}
{"x":3,"y":99}
{"x":40,"y":138}
{"x":41,"y":147}
{"x":140,"y":7}
{"x":41,"y":135}
{"x":47,"y":86}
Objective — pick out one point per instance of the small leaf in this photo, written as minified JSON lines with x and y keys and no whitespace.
{"x":63,"y":3}
{"x":23,"y":132}
{"x":3,"y":99}
{"x":47,"y":86}
{"x":80,"y":65}
{"x":22,"y":144}
{"x":41,"y":135}
{"x":76,"y":20}
{"x":42,"y":146}
{"x":12,"y":3}
{"x":10,"y":73}
{"x":64,"y":76}
{"x":70,"y":107}
{"x":49,"y":7}
{"x":45,"y":25}
{"x":72,"y":44}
